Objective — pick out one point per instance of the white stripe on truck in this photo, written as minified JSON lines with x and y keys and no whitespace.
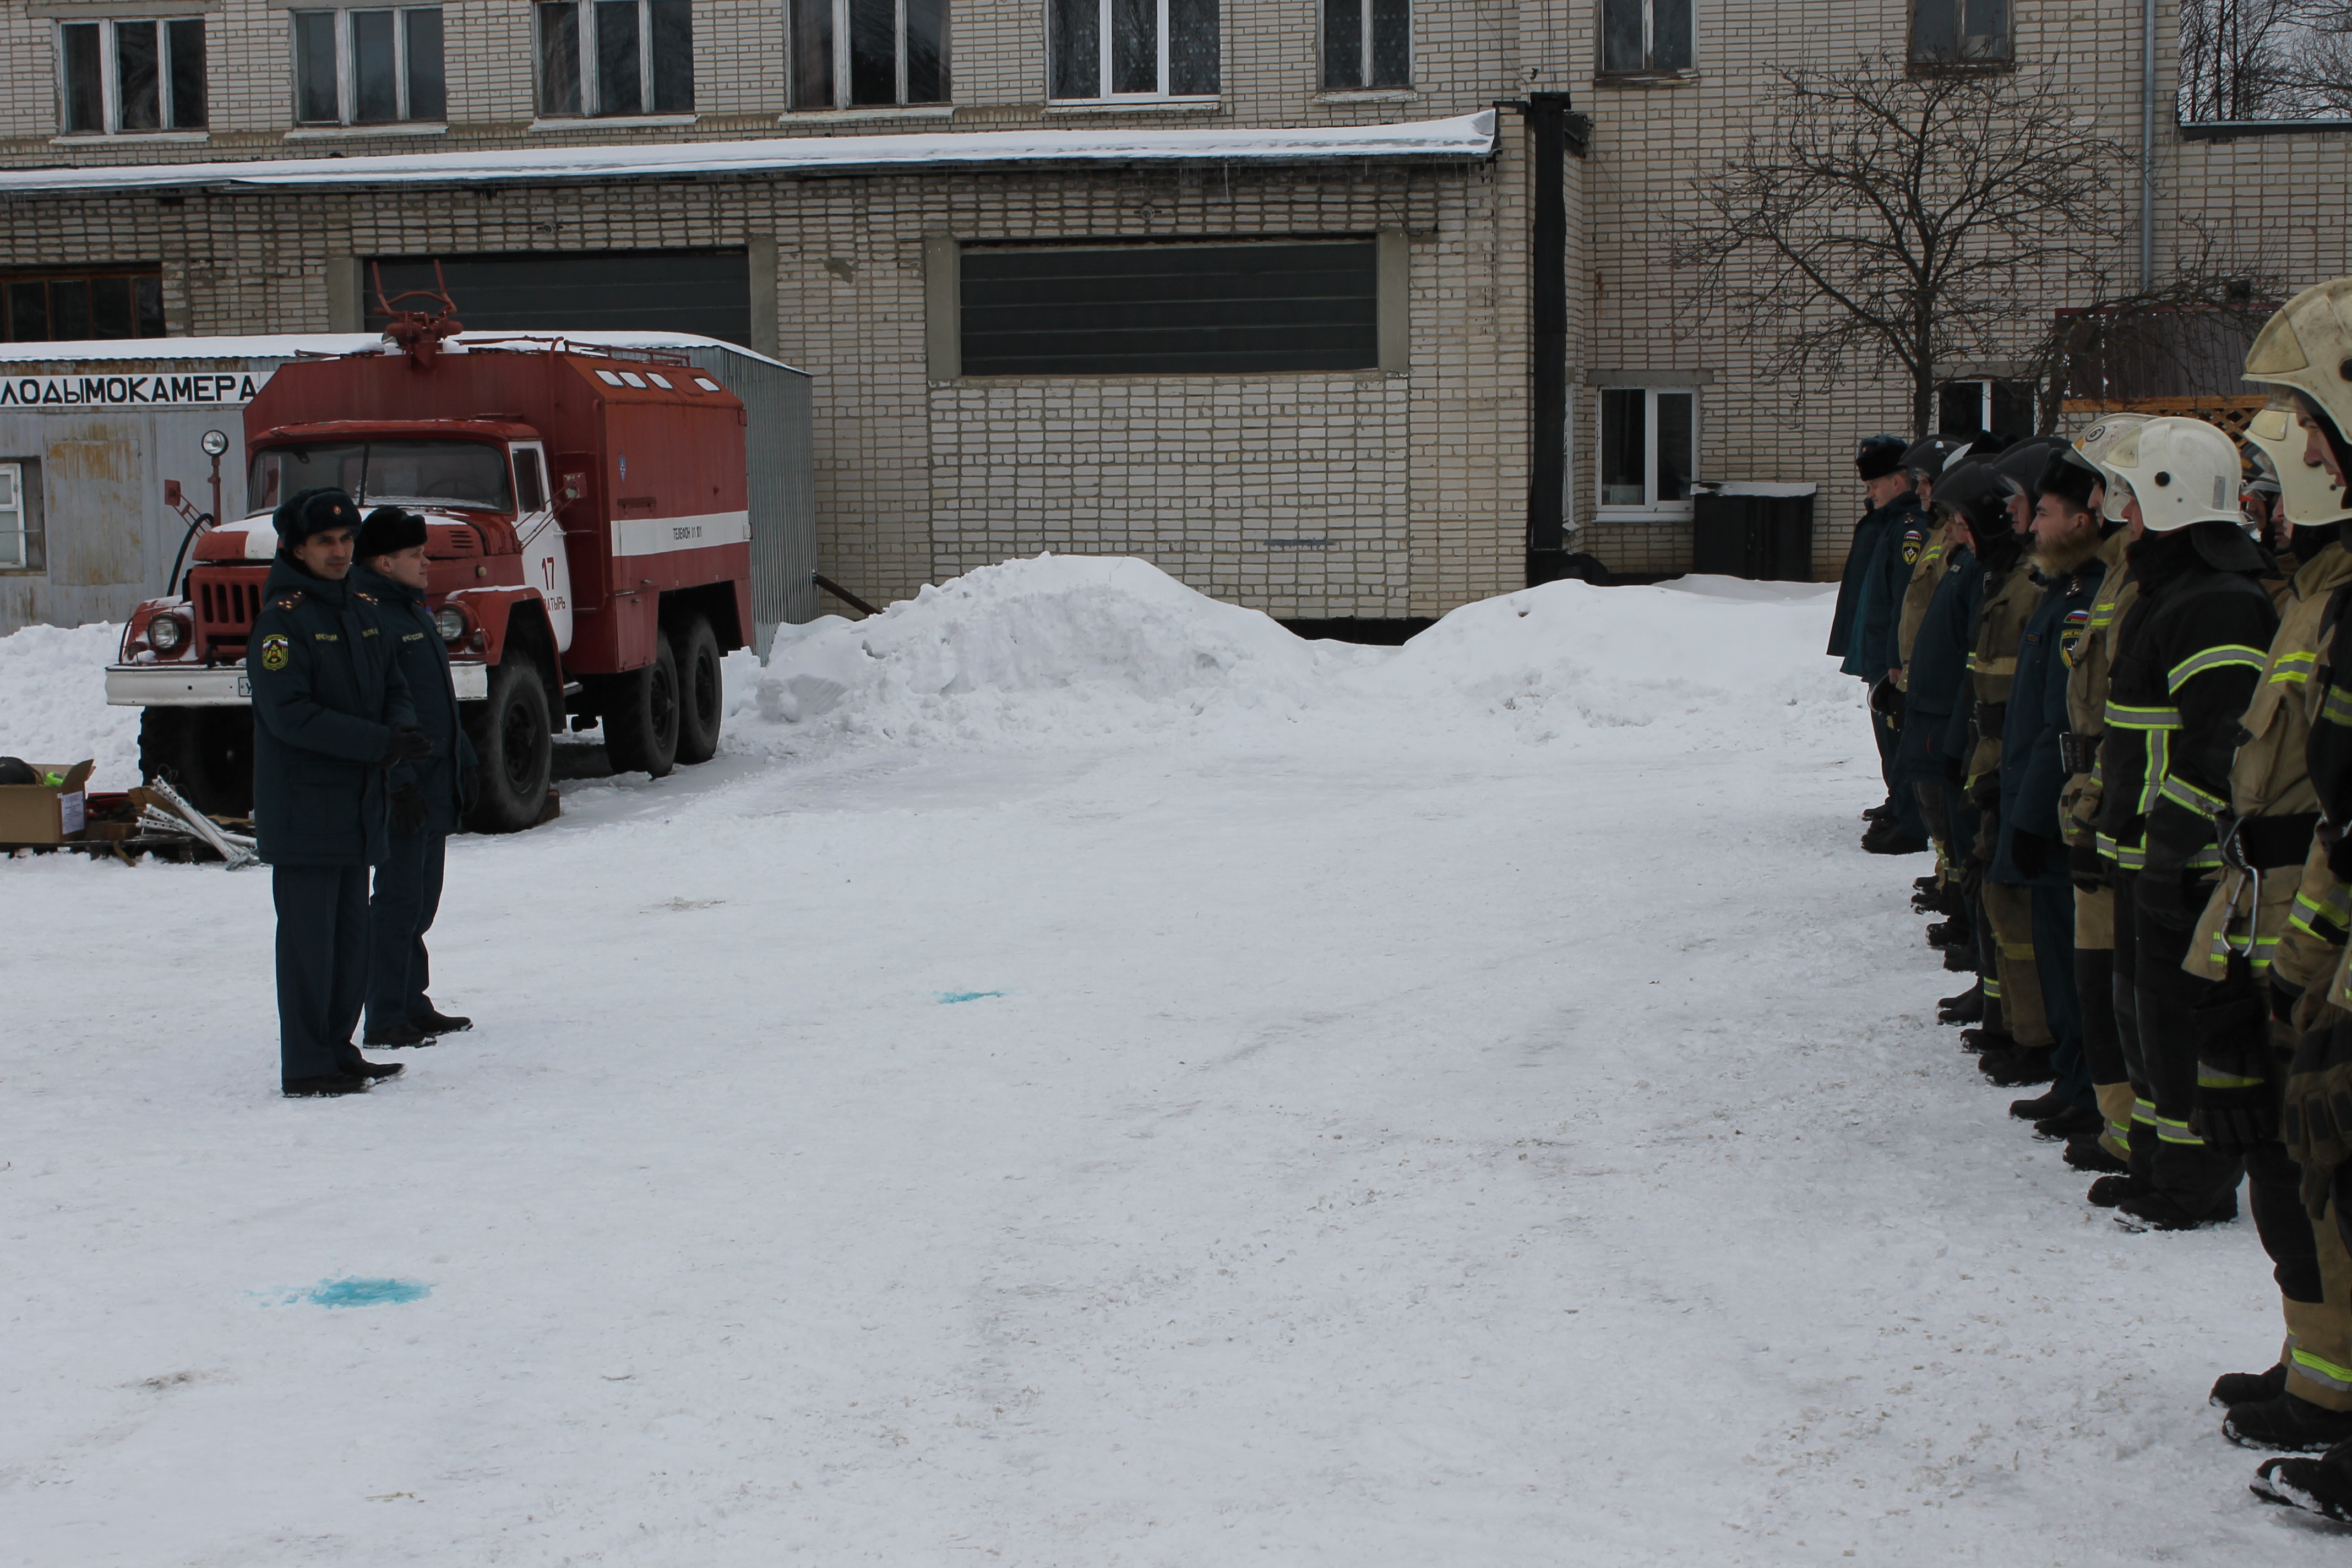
{"x":661,"y":536}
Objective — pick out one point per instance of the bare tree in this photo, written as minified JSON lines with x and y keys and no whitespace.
{"x":2316,"y":69}
{"x":2242,"y":59}
{"x":1906,"y":219}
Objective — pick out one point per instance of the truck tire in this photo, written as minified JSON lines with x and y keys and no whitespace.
{"x":701,"y":692}
{"x":515,"y":749}
{"x":206,"y":753}
{"x":641,"y":714}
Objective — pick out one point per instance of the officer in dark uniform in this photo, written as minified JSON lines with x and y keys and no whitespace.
{"x":425,"y":806}
{"x":331,"y":719}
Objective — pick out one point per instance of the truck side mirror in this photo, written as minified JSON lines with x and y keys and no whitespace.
{"x":172,"y":494}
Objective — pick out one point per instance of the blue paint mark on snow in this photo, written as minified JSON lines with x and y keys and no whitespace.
{"x":949,"y":997}
{"x":366,"y":1292}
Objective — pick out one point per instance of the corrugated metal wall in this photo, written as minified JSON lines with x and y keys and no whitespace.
{"x":779,"y":447}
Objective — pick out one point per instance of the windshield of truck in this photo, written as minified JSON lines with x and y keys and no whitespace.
{"x":468,"y":475}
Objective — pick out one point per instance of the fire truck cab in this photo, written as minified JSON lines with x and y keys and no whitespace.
{"x":589,"y":541}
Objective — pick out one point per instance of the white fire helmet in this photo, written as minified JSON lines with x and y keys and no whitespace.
{"x":2104,"y":433}
{"x":2307,"y":346}
{"x":2184,"y":471}
{"x":2309,"y":496}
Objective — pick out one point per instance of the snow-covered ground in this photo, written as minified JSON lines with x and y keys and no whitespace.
{"x":1088,"y":1079}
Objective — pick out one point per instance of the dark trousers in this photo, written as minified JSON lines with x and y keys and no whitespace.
{"x":2198,"y":1178}
{"x":2274,"y":1192}
{"x":2095,"y":992}
{"x":1889,"y":737}
{"x":321,"y":965}
{"x":2054,"y":961}
{"x":407,"y":896}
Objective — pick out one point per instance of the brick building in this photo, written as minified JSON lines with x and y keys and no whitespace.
{"x":1244,"y":287}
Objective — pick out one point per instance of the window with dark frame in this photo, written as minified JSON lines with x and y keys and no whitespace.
{"x":1256,"y":308}
{"x":1367,"y":44}
{"x":1649,"y":449}
{"x":369,"y":68}
{"x":69,"y":307}
{"x":1133,"y":49}
{"x":1960,"y":33}
{"x":131,"y":76}
{"x":897,"y":53}
{"x":20,"y":517}
{"x":605,"y":57}
{"x":1645,"y":38}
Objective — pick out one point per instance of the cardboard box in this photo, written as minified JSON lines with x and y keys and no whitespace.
{"x":45,"y":813}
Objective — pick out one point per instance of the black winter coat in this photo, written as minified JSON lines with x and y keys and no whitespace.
{"x":2031,"y":770}
{"x":424,"y":661}
{"x":327,"y":694}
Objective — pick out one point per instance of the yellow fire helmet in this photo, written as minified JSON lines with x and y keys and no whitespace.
{"x":2307,"y":346}
{"x":2310,"y":497}
{"x":2184,"y":471}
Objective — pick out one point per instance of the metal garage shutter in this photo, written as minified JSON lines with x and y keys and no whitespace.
{"x":704,"y":292}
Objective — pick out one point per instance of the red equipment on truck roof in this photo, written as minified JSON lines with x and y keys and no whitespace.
{"x":588,"y":535}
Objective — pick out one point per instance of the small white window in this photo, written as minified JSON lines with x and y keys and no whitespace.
{"x":1134,"y":48}
{"x":1649,"y":450}
{"x":131,"y":76}
{"x":20,"y":534}
{"x":609,"y":378}
{"x":616,"y":57}
{"x":1367,"y":44}
{"x":661,"y":381}
{"x":847,"y":54}
{"x":1645,"y":38}
{"x":369,"y":68}
{"x":705,"y":385}
{"x":633,"y":378}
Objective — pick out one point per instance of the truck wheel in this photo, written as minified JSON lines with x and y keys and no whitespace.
{"x":701,"y":692}
{"x":641,"y":714}
{"x":206,"y":753}
{"x":514,"y":747}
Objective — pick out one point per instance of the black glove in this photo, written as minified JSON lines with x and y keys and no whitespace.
{"x":1887,"y":701}
{"x":1954,"y":774}
{"x":1985,"y":794}
{"x":407,"y":809}
{"x":2084,"y":865}
{"x":408,"y":745}
{"x":2170,"y":899}
{"x":2236,"y":1118}
{"x":2029,"y":852}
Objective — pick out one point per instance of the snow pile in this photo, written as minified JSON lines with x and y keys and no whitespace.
{"x":1073,"y":647}
{"x":53,"y":702}
{"x":1058,"y":646}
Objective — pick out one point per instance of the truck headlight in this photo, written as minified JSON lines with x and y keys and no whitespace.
{"x":165,"y":633}
{"x":450,"y":622}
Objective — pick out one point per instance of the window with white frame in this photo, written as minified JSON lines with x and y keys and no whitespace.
{"x":139,"y":75}
{"x":849,"y":54}
{"x":1649,"y":450}
{"x":616,"y":57}
{"x":1133,"y":49}
{"x":368,"y":68}
{"x":1642,"y":38}
{"x":20,"y":523}
{"x":1367,"y":44}
{"x":1960,"y":33}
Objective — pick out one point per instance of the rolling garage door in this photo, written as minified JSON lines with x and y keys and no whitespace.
{"x":703,"y":291}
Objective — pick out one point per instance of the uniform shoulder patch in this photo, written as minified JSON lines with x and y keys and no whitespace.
{"x":1914,"y":541}
{"x":275,"y":651}
{"x":292,"y":599}
{"x":364,"y":598}
{"x":2070,"y":631}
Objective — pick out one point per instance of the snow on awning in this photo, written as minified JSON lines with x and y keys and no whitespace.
{"x":1462,"y":137}
{"x":294,"y":345}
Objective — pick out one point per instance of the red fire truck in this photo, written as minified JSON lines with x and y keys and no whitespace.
{"x":590,"y":544}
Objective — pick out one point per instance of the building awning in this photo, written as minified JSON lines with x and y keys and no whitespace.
{"x":1466,"y":136}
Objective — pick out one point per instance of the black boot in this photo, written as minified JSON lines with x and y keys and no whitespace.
{"x":366,"y":1069}
{"x":1967,"y":1007}
{"x":325,"y":1085}
{"x":1945,"y":934}
{"x":2110,"y":1192}
{"x":1885,"y":838}
{"x":2020,"y":1068}
{"x":1962,"y":959}
{"x":2145,"y":1210}
{"x":2323,"y":1485}
{"x":2295,"y":1425}
{"x":2247,"y":1387}
{"x":398,"y":1036}
{"x":2074,"y":1122}
{"x":2039,"y":1107}
{"x":2085,"y":1153}
{"x":1883,"y":812}
{"x":1987,"y":1042}
{"x":432,"y":1021}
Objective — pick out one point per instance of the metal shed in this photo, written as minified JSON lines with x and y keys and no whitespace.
{"x":91,"y":432}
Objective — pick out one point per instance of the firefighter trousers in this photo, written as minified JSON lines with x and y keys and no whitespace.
{"x":2094,"y":987}
{"x":2180,"y":1166}
{"x":2314,"y":1271}
{"x":407,"y":896}
{"x":2052,"y":909}
{"x":2009,"y":911}
{"x":322,"y":930}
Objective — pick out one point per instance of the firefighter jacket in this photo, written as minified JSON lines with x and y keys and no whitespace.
{"x":2009,"y":604}
{"x":2275,"y":809}
{"x":2032,"y":761}
{"x":2086,"y":690}
{"x":1939,"y":668}
{"x":1926,"y":545}
{"x":1870,"y":638}
{"x":424,"y":661}
{"x":2187,"y":663}
{"x":327,"y":694}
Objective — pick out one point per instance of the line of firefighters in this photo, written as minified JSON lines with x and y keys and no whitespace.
{"x":2111,"y":682}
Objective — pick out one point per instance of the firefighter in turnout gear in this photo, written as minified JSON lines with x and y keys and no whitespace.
{"x":332,"y":721}
{"x":2188,"y":663}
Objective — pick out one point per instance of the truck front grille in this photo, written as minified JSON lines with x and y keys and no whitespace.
{"x":226,"y":610}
